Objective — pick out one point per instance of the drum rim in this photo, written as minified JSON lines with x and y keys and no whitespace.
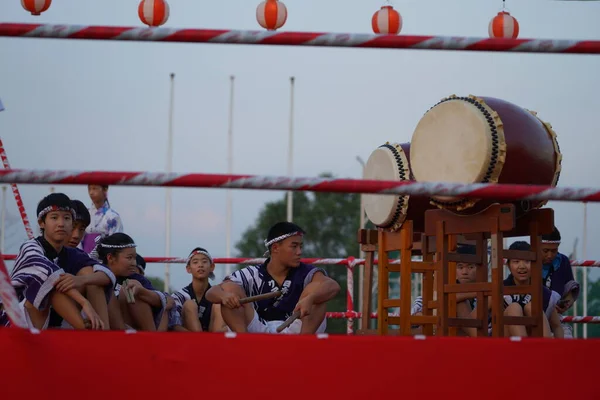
{"x":497,"y":156}
{"x":398,"y":217}
{"x":558,"y":164}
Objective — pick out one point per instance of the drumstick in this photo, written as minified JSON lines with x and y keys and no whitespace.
{"x":288,"y":321}
{"x":259,"y":297}
{"x":128,"y":293}
{"x":130,"y":296}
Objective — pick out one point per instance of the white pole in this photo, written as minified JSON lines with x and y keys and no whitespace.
{"x":361,"y":254}
{"x":3,"y":219}
{"x":585,"y":270}
{"x":575,"y":274}
{"x":168,"y":196}
{"x":290,"y":200}
{"x":229,"y":171}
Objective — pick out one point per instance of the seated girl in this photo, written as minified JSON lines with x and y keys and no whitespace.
{"x":192,"y":312}
{"x":520,"y":304}
{"x":40,"y":265}
{"x":135,"y":303}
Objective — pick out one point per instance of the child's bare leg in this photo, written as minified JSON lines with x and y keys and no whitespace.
{"x":96,"y":297}
{"x":238,"y":319}
{"x":114,"y":314}
{"x":463,"y":310}
{"x":124,"y":310}
{"x":37,"y":317}
{"x":163,"y":326}
{"x":514,"y":310}
{"x":547,"y":330}
{"x":190,"y":316}
{"x":67,"y":309}
{"x":311,"y":322}
{"x":139,"y":312}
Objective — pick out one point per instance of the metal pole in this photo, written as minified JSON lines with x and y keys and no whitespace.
{"x":229,"y":171}
{"x":168,"y":191}
{"x":290,"y":207}
{"x":585,"y":270}
{"x":361,"y":254}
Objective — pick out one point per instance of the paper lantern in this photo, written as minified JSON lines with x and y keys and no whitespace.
{"x":36,"y":7}
{"x":387,"y":20}
{"x":153,"y":12}
{"x":271,"y":14}
{"x":504,"y":25}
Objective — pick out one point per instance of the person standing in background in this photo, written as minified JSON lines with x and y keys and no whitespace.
{"x":104,"y":220}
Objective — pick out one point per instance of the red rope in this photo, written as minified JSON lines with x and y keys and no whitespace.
{"x":312,"y":39}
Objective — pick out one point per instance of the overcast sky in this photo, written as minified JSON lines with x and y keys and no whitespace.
{"x":104,"y":105}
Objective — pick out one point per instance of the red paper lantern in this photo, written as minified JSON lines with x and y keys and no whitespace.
{"x":504,"y":25}
{"x":36,"y":7}
{"x":387,"y":20}
{"x":153,"y":12}
{"x":271,"y":14}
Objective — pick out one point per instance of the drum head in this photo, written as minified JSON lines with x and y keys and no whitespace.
{"x":387,"y":163}
{"x":459,"y":140}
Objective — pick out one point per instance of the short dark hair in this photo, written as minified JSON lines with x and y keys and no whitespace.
{"x":552,"y":237}
{"x":520,"y":245}
{"x":113,"y":245}
{"x":281,"y":229}
{"x":81,"y":212}
{"x":466,"y":249}
{"x":141,"y":263}
{"x":59,"y":200}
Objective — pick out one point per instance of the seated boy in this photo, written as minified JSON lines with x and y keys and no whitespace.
{"x":92,"y":279}
{"x":465,"y":302}
{"x":40,"y":266}
{"x":304,"y":288}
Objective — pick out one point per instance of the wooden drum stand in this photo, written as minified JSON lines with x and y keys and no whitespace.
{"x":443,"y":230}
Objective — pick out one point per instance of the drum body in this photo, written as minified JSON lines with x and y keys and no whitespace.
{"x":390,"y":162}
{"x":484,"y":140}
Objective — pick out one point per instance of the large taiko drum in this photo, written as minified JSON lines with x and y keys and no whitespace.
{"x":484,"y":140}
{"x":390,"y":162}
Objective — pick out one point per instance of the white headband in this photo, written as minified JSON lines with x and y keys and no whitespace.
{"x":50,"y":209}
{"x":199,"y":252}
{"x":118,"y":246}
{"x":282,"y":237}
{"x":551,"y":241}
{"x":97,"y":240}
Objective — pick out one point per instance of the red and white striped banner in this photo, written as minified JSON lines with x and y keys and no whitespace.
{"x":311,"y":39}
{"x":310,"y":184}
{"x":351,"y":261}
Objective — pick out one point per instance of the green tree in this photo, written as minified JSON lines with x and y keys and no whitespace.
{"x":593,"y":307}
{"x":331,"y":222}
{"x":158,"y":283}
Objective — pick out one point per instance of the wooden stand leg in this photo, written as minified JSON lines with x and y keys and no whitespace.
{"x":497,"y":282}
{"x":383,"y":284}
{"x":442,"y":277}
{"x":405,"y":277}
{"x":368,"y":242}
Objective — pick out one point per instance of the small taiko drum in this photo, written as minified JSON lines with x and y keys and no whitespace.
{"x":484,"y":140}
{"x":390,"y":162}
